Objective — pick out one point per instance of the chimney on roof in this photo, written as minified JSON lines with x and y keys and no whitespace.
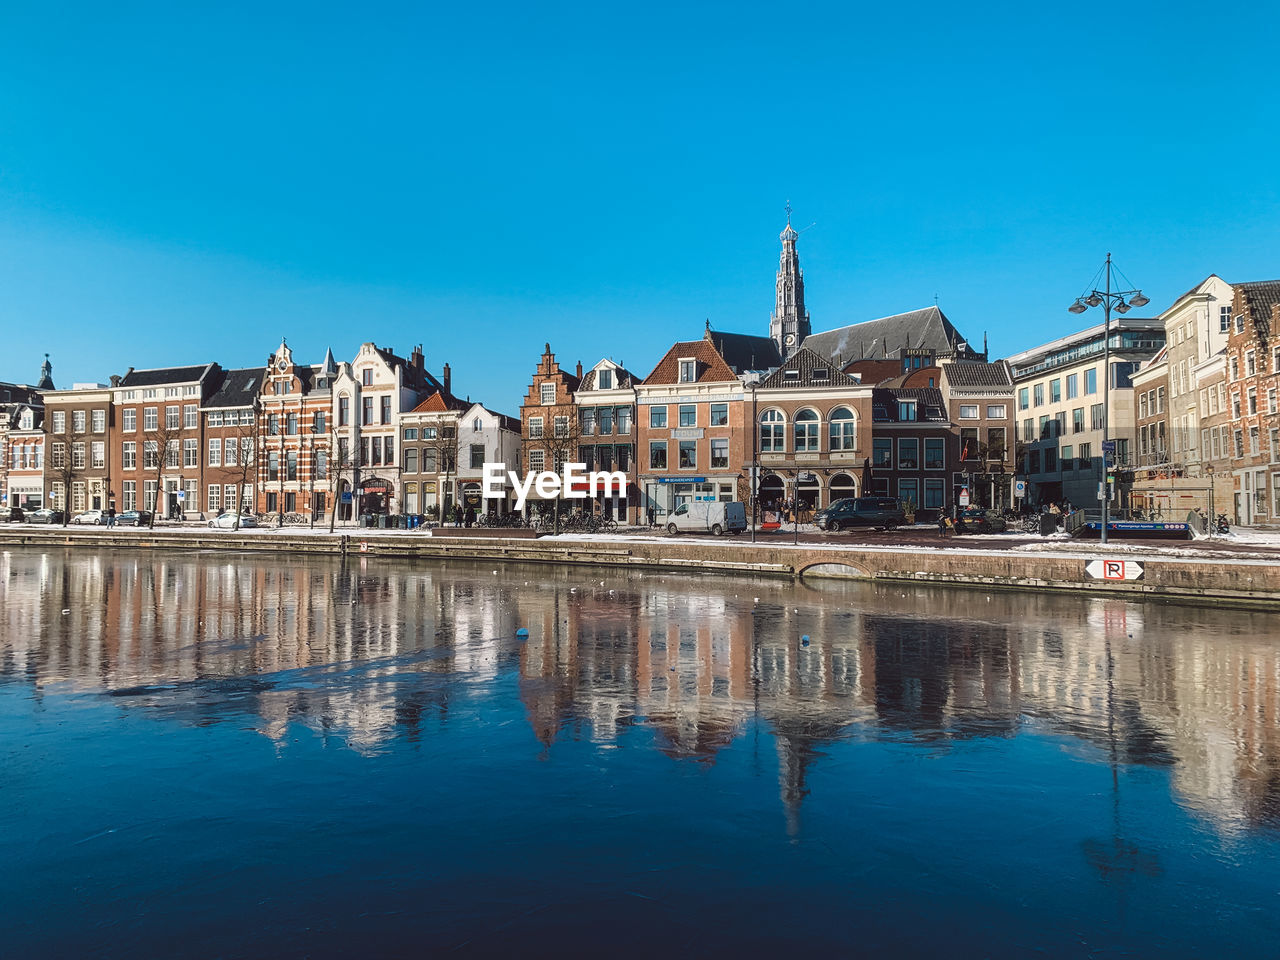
{"x":415,"y":358}
{"x":579,"y":369}
{"x":115,"y":379}
{"x":446,"y":378}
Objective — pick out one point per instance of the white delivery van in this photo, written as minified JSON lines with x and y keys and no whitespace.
{"x":702,"y":516}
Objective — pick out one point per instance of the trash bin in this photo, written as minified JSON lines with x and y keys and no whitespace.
{"x":382,"y":521}
{"x":1048,"y":524}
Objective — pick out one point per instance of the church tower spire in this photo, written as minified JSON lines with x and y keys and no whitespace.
{"x":789,"y":324}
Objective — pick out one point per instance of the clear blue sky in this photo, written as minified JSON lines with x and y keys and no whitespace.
{"x":180,"y":185}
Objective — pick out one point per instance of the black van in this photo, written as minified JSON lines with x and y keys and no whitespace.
{"x":862,"y":512}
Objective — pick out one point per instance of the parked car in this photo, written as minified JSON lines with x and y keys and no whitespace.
{"x":977,"y":520}
{"x":90,"y":516}
{"x":861,"y":512}
{"x":703,"y":516}
{"x":45,"y":516}
{"x":12,"y":514}
{"x":134,"y":518}
{"x":227,"y":521}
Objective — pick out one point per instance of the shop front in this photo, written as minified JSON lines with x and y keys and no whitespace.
{"x":375,"y":496}
{"x":27,"y":494}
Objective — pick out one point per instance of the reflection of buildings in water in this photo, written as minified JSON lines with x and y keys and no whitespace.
{"x":198,"y":627}
{"x":680,"y":654}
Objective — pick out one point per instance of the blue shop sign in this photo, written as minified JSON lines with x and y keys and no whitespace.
{"x":681,"y":479}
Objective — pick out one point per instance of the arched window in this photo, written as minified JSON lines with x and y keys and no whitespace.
{"x":806,"y":431}
{"x":773,"y":438}
{"x":844,"y":430}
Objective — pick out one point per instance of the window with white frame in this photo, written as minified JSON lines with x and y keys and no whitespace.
{"x":190,"y":454}
{"x":842,"y":430}
{"x":172,"y":417}
{"x":215,"y":452}
{"x":98,"y":421}
{"x":130,"y":421}
{"x":688,"y":370}
{"x":59,"y":421}
{"x":150,"y":418}
{"x":968,"y":411}
{"x":130,"y":495}
{"x":98,"y":454}
{"x":214,"y":503}
{"x":129,"y":455}
{"x":537,"y":460}
{"x":547,"y":392}
{"x":806,"y":431}
{"x":190,"y":416}
{"x":150,"y":455}
{"x":773,"y":428}
{"x":77,"y":456}
{"x":535,"y":426}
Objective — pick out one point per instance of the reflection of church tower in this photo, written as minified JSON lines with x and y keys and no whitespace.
{"x":789,"y":324}
{"x":46,"y":375}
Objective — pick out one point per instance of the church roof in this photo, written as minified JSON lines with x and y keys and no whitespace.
{"x":889,"y":337}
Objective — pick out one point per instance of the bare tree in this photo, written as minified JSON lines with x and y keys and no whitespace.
{"x":345,"y":458}
{"x":246,"y":465}
{"x":67,"y":460}
{"x":444,"y":448}
{"x":167,"y":438}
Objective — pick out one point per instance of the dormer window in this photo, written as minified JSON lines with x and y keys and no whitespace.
{"x":606,"y":380}
{"x":791,"y":375}
{"x":27,"y":420}
{"x":688,"y":371}
{"x":821,"y":373}
{"x":906,"y":411}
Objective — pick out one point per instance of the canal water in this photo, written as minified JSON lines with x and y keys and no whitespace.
{"x":217,"y":756}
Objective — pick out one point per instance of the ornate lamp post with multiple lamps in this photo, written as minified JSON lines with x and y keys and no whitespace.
{"x":1121,"y":301}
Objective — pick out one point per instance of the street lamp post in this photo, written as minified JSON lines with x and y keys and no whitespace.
{"x":1108,"y":299}
{"x":755,"y":464}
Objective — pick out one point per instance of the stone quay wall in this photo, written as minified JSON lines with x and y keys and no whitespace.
{"x":1170,"y":578}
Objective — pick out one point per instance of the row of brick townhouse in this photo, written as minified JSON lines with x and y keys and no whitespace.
{"x":903,"y":406}
{"x":192,"y":441}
